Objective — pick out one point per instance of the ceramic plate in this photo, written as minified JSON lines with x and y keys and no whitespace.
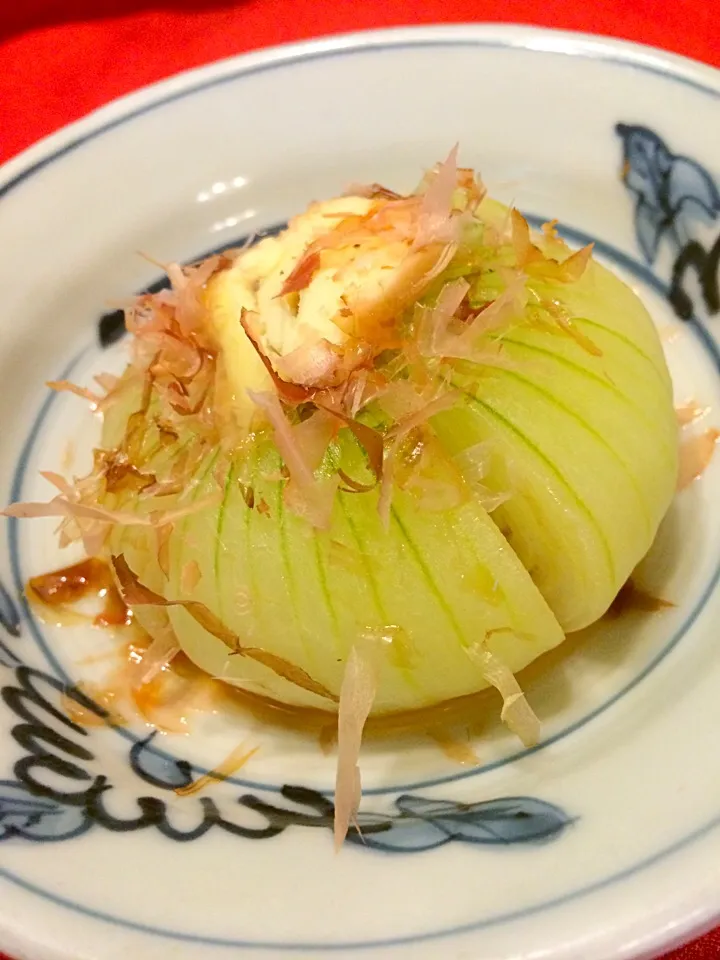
{"x":603,"y":841}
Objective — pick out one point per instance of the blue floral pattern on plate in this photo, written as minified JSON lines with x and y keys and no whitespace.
{"x":58,"y":751}
{"x":672,"y":192}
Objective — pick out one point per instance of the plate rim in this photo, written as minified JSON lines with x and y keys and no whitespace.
{"x":703,"y":77}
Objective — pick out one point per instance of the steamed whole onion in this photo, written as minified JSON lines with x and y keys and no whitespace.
{"x":401,"y":448}
{"x":516,"y":511}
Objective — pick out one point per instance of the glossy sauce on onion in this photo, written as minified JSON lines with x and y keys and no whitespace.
{"x":60,"y":590}
{"x":181,"y":689}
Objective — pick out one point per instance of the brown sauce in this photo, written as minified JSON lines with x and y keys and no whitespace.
{"x":696,"y":449}
{"x":61,"y":589}
{"x":86,"y":717}
{"x":455,"y":749}
{"x":633,"y":599}
{"x":322,"y":724}
{"x":181,"y":689}
{"x":230,"y":765}
{"x":690,"y":412}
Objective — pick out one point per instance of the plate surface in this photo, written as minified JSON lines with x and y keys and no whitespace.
{"x":602,"y":842}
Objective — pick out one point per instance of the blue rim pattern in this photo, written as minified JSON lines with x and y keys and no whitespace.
{"x":325,"y":947}
{"x":620,"y":258}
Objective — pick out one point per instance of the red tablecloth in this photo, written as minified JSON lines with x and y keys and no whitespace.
{"x":60,"y":59}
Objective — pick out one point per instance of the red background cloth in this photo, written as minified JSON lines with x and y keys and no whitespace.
{"x":59,"y":59}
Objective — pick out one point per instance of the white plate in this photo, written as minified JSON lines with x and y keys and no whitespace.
{"x":100,"y":859}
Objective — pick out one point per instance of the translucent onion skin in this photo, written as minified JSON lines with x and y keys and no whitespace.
{"x":582,"y":440}
{"x":424,"y":592}
{"x":586,"y":444}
